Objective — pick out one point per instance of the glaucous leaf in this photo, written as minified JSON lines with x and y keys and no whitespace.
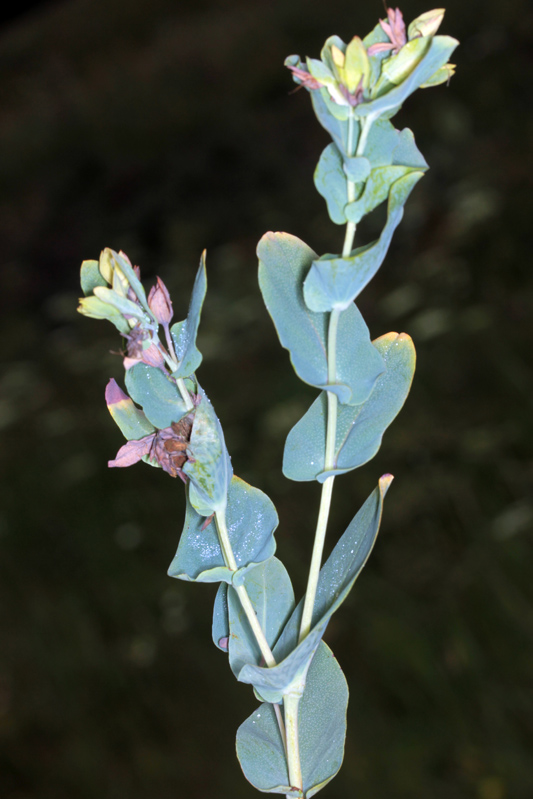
{"x":376,"y":191}
{"x":330,"y":182}
{"x":357,"y":169}
{"x":209,"y":468}
{"x":381,"y":143}
{"x":157,"y":394}
{"x":322,"y":727}
{"x":251,"y":519}
{"x":406,"y":153}
{"x":335,"y":282}
{"x":271,"y":594}
{"x":184,"y":333}
{"x":90,"y":277}
{"x":325,"y":53}
{"x":360,"y":428}
{"x":336,"y":580}
{"x":284,"y":260}
{"x":336,"y":123}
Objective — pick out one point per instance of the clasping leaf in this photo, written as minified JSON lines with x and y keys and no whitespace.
{"x":251,"y":520}
{"x":360,"y":428}
{"x":284,"y":260}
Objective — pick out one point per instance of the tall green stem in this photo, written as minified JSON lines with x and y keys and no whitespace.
{"x":241,"y":591}
{"x":185,"y":394}
{"x":327,"y":486}
{"x":290,"y":745}
{"x":292,"y":751}
{"x":365,"y":123}
{"x":291,"y":702}
{"x":350,"y":188}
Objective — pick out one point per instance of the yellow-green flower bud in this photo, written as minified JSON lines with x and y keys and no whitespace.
{"x":426,"y":24}
{"x":356,"y":65}
{"x":106,"y":264}
{"x":398,"y":67}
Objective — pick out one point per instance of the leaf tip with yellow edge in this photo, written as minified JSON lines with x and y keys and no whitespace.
{"x":384,"y":483}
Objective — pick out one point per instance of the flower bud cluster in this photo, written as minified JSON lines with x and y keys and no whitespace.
{"x":115,"y":292}
{"x":360,"y":71}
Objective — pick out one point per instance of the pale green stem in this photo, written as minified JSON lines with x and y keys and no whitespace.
{"x":331,"y":431}
{"x":185,"y":394}
{"x":241,"y":591}
{"x":246,"y":604}
{"x":350,"y":187}
{"x":173,"y":362}
{"x":366,"y":124}
{"x":291,"y":702}
{"x":327,"y":486}
{"x":180,"y":382}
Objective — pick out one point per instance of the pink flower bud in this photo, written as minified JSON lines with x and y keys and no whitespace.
{"x":160,"y":303}
{"x":151,"y":355}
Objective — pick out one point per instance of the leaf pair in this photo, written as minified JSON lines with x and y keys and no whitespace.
{"x":360,"y":428}
{"x":284,"y":262}
{"x":251,"y":520}
{"x":389,"y":154}
{"x":333,"y":283}
{"x":322,"y":714}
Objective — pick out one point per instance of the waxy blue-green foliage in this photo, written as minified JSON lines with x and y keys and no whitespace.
{"x":251,"y":519}
{"x":228,"y":535}
{"x":284,"y":261}
{"x":184,"y":333}
{"x":322,"y":720}
{"x":336,"y":580}
{"x":156,"y":393}
{"x":360,"y":428}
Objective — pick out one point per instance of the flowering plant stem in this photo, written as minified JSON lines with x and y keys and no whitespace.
{"x":293,"y":744}
{"x":327,"y":486}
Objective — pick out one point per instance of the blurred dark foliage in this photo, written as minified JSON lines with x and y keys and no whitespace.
{"x":164,"y":127}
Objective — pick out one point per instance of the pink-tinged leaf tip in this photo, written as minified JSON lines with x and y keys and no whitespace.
{"x":132,"y":452}
{"x":114,"y":394}
{"x":384,"y":483}
{"x":223,"y":643}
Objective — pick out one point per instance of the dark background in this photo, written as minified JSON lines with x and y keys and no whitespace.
{"x":164,"y":127}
